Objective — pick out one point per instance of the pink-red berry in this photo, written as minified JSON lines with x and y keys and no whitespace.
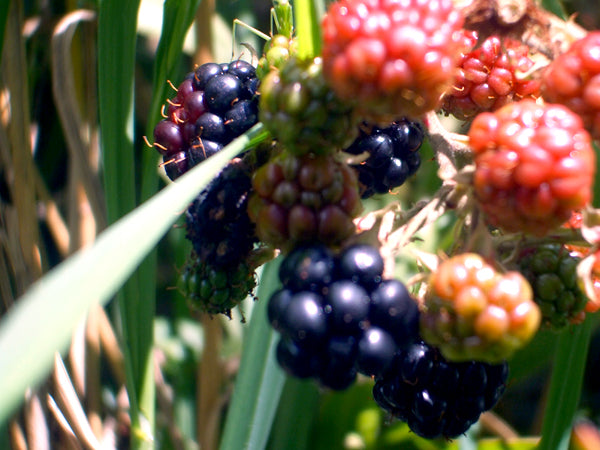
{"x":534,"y":165}
{"x":393,"y":58}
{"x":490,"y":75}
{"x":573,"y":79}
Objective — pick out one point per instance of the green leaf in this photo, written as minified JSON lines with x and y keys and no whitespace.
{"x":565,"y":386}
{"x":44,"y":318}
{"x":260,"y":381}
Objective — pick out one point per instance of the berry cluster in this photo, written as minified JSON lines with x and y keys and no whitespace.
{"x":473,"y":312}
{"x":338,"y":317}
{"x":393,"y":59}
{"x":218,"y":276}
{"x":301,"y":112}
{"x":304,"y":199}
{"x":214,"y":104}
{"x":490,"y":74}
{"x":437,"y":397}
{"x":552,"y":272}
{"x":534,"y":165}
{"x":573,"y":79}
{"x":392,"y":155}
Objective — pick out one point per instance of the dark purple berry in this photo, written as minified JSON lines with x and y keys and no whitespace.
{"x":241,"y":117}
{"x":204,"y":73}
{"x":376,"y":350}
{"x":168,"y":138}
{"x":200,"y":149}
{"x":222,"y":92}
{"x":362,"y":264}
{"x":278,"y":302}
{"x":394,"y":310}
{"x":296,"y":360}
{"x":304,"y":320}
{"x":347,"y":306}
{"x":307,"y":268}
{"x":211,"y":127}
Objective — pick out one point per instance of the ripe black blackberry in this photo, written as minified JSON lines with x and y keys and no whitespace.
{"x":437,"y":397}
{"x":337,"y":317}
{"x":214,"y":104}
{"x":217,"y":222}
{"x":392,"y":155}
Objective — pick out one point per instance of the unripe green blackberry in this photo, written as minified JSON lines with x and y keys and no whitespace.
{"x":302,"y":112}
{"x":472,"y":312}
{"x":306,"y":198}
{"x":215,"y":290}
{"x":552,"y":272}
{"x":276,"y":52}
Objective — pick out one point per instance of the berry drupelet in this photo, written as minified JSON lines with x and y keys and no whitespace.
{"x":214,"y":104}
{"x":392,"y":155}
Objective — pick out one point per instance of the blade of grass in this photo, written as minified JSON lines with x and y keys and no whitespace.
{"x":54,"y":306}
{"x":117,"y":27}
{"x":260,"y":381}
{"x":565,"y":386}
{"x":308,"y":31}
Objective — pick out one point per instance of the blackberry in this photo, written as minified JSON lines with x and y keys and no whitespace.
{"x":552,"y":272}
{"x":301,"y":112}
{"x":217,"y":222}
{"x":215,"y":290}
{"x":392,"y":155}
{"x":330,"y":327}
{"x":437,"y":397}
{"x":214,"y":104}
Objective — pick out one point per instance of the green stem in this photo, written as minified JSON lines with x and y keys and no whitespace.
{"x":565,"y":386}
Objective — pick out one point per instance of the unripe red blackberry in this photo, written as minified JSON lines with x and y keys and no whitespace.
{"x":534,"y":165}
{"x":471,"y":311}
{"x":552,"y":272}
{"x":216,"y":290}
{"x":573,"y":79}
{"x":304,"y":199}
{"x":214,"y":104}
{"x":302,"y":112}
{"x":490,"y":75}
{"x":393,"y":59}
{"x":392,"y":155}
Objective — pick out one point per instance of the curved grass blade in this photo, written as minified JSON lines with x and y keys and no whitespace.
{"x":43,"y":319}
{"x":260,"y":381}
{"x":307,"y":17}
{"x":565,"y":386}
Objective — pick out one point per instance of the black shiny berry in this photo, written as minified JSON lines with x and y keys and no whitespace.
{"x":376,"y":351}
{"x":220,"y":93}
{"x":308,"y":267}
{"x":347,"y":306}
{"x":304,"y":320}
{"x":361,"y":263}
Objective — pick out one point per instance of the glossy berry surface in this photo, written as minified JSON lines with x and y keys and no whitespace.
{"x":393,"y":59}
{"x":490,"y":74}
{"x":330,"y":328}
{"x":214,"y":104}
{"x":573,"y":79}
{"x":534,"y":165}
{"x":392,"y":155}
{"x":472,"y":312}
{"x":437,"y":397}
